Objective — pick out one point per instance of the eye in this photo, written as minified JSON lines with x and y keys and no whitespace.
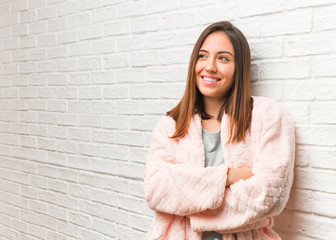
{"x":223,"y":58}
{"x":201,"y":56}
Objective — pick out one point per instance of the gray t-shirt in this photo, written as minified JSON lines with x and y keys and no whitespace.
{"x":213,"y":157}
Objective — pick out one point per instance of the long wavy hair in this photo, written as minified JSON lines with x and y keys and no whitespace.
{"x":238,"y":105}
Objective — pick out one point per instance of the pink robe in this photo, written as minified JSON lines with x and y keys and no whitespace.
{"x":189,"y":199}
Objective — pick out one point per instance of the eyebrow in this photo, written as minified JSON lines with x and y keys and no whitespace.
{"x":202,"y":50}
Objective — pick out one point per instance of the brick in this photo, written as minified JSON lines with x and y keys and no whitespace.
{"x":57,"y":24}
{"x":47,"y":12}
{"x":38,"y":130}
{"x":90,"y":149}
{"x":144,"y":58}
{"x":46,"y":40}
{"x":310,"y":44}
{"x":308,"y":90}
{"x":57,"y":79}
{"x":130,"y":170}
{"x":134,"y":42}
{"x":20,"y":30}
{"x":266,"y":48}
{"x":300,"y":200}
{"x":44,"y":67}
{"x":129,"y":106}
{"x":103,"y":107}
{"x":46,"y":144}
{"x":27,"y":16}
{"x":115,"y":61}
{"x":136,"y":188}
{"x":91,"y":32}
{"x":130,"y":75}
{"x":66,"y":92}
{"x":323,"y":66}
{"x":79,"y":219}
{"x":92,"y":63}
{"x":36,"y":3}
{"x":27,"y":68}
{"x":57,"y":186}
{"x":104,"y":77}
{"x":90,"y":93}
{"x":323,"y":112}
{"x":67,"y":37}
{"x":317,"y":135}
{"x":177,"y":20}
{"x":10,"y":44}
{"x":103,"y":136}
{"x":105,"y":227}
{"x":78,"y":106}
{"x":324,"y":204}
{"x":320,"y":180}
{"x":89,"y":121}
{"x":115,"y":122}
{"x":67,"y":147}
{"x":79,"y":20}
{"x":176,"y":56}
{"x":287,"y":23}
{"x":57,"y":131}
{"x":68,"y":65}
{"x":285,"y":70}
{"x":78,"y":133}
{"x":67,"y":8}
{"x":10,"y":19}
{"x":87,"y":4}
{"x":116,"y":152}
{"x":103,"y":14}
{"x":143,"y":123}
{"x":165,"y":74}
{"x":159,"y":41}
{"x":67,"y":229}
{"x":145,"y":24}
{"x":115,"y":92}
{"x":323,"y":157}
{"x":324,"y":17}
{"x":103,"y":46}
{"x":116,"y":28}
{"x":17,"y":6}
{"x":39,"y":182}
{"x":37,"y":54}
{"x":37,"y":27}
{"x":292,"y":4}
{"x":130,"y":9}
{"x":17,"y":56}
{"x":57,"y":52}
{"x":67,"y":119}
{"x":154,"y":6}
{"x":247,"y":8}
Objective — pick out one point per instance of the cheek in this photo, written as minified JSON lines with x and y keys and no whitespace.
{"x":198,"y":67}
{"x":228,"y":71}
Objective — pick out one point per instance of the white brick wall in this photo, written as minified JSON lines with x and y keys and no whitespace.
{"x":82,"y":84}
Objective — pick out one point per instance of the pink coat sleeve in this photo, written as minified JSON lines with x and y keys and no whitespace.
{"x":178,"y":188}
{"x":266,"y":193}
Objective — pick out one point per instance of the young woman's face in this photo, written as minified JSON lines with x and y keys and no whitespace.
{"x":215,"y":66}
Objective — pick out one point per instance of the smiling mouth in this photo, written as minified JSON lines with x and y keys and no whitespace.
{"x":207,"y":79}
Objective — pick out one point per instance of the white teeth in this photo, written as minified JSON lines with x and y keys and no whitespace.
{"x":210,"y":79}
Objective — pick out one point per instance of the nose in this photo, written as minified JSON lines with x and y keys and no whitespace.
{"x":211,"y":65}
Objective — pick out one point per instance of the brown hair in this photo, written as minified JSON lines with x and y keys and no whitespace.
{"x":238,"y":105}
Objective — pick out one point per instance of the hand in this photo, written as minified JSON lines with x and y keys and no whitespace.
{"x":236,"y":174}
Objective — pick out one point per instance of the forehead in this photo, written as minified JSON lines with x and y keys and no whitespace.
{"x":217,"y":41}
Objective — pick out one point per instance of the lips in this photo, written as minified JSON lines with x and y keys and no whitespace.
{"x":210,"y":79}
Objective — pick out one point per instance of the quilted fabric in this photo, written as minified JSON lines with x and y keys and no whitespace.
{"x":189,"y":199}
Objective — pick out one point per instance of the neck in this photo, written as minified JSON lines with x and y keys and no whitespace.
{"x":212,"y":105}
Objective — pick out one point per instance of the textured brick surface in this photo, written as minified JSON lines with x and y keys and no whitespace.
{"x":82,"y":84}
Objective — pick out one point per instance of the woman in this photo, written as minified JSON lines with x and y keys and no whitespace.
{"x":220,"y":164}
